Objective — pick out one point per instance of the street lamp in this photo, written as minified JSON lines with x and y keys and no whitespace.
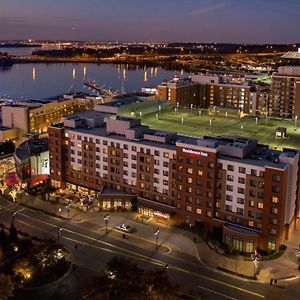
{"x":156,"y":238}
{"x":255,"y":258}
{"x":296,"y":118}
{"x":13,"y":218}
{"x":106,"y":218}
{"x":68,"y":210}
{"x":59,"y":230}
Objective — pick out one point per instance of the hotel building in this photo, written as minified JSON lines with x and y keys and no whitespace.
{"x":244,"y":193}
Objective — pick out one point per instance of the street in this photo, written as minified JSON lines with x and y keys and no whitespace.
{"x":95,"y":247}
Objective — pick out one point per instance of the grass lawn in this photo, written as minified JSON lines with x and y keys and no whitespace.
{"x":199,"y":125}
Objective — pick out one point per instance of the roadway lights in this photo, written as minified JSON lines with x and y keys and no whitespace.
{"x":156,"y":233}
{"x":106,"y":218}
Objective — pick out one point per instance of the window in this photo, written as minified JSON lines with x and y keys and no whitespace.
{"x":200,"y":172}
{"x":241,"y":190}
{"x":274,"y":210}
{"x":229,"y":198}
{"x":242,"y":170}
{"x":252,"y":193}
{"x":190,"y":161}
{"x":252,"y":182}
{"x":276,"y":178}
{"x":166,"y":154}
{"x":260,"y":205}
{"x":219,"y":166}
{"x":260,"y":195}
{"x":240,"y":200}
{"x":200,"y":163}
{"x":237,"y":244}
{"x":271,"y":245}
{"x":210,"y":165}
{"x":230,"y":178}
{"x":156,"y":152}
{"x":240,"y":210}
{"x":165,"y":164}
{"x":250,"y":213}
{"x":273,"y":231}
{"x":190,"y":170}
{"x":275,"y":199}
{"x":188,"y":208}
{"x":208,"y":214}
{"x":241,"y":180}
{"x":189,"y":180}
{"x":229,"y":188}
{"x":249,"y":246}
{"x":198,"y":211}
{"x":275,"y":189}
{"x":230,"y":168}
{"x":250,"y":223}
{"x":228,"y":207}
{"x":253,"y":172}
{"x":273,"y":221}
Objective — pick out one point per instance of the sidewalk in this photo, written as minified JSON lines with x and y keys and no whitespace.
{"x":283,"y":268}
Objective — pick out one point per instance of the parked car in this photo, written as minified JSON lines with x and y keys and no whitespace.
{"x":124,"y":228}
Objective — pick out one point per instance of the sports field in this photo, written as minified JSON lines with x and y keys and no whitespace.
{"x":190,"y":122}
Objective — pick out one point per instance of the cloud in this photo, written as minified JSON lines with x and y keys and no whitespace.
{"x":206,"y":9}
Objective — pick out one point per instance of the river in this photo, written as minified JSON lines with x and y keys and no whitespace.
{"x":45,"y":80}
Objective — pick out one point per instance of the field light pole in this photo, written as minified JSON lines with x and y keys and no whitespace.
{"x":106,"y":218}
{"x":156,"y":238}
{"x":296,"y":118}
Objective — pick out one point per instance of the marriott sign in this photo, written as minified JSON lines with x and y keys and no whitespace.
{"x":194,"y":152}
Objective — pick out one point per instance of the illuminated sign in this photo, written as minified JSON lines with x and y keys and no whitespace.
{"x":161,"y":215}
{"x":194,"y":152}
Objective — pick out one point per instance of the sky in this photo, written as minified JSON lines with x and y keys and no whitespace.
{"x":231,"y":21}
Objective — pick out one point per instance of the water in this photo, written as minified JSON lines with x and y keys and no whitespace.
{"x":42,"y":80}
{"x":25,"y":51}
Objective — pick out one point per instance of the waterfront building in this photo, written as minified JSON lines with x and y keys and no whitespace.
{"x":35,"y":116}
{"x":243,"y":193}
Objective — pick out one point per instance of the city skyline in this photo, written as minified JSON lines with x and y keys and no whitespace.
{"x":203,"y":21}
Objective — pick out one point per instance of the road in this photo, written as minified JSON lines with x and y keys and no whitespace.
{"x":95,"y":247}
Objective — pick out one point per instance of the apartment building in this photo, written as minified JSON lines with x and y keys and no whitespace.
{"x":182,"y":92}
{"x":207,"y":91}
{"x":242,"y":192}
{"x":285,"y":93}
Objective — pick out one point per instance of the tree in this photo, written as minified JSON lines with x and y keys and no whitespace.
{"x":6,"y":287}
{"x":128,"y":281}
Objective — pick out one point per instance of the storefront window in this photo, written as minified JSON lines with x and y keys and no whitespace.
{"x":249,"y":246}
{"x":271,"y":245}
{"x":227,"y":239}
{"x":237,"y":244}
{"x":118,"y":203}
{"x":106,"y":205}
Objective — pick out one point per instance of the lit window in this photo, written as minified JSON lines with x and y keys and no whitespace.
{"x":260,"y":205}
{"x":199,"y":211}
{"x":275,"y":199}
{"x":190,"y":170}
{"x":200,"y":172}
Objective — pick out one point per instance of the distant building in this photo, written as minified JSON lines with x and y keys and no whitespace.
{"x":285,"y":93}
{"x":205,"y":91}
{"x":35,"y":116}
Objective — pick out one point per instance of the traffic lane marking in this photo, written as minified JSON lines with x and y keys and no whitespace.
{"x":217,"y":293}
{"x":156,"y":261}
